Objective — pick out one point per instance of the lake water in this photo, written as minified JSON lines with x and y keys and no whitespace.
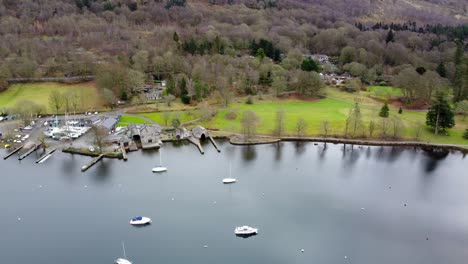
{"x":330,"y":202}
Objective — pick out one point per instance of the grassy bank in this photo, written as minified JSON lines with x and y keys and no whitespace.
{"x":39,"y":94}
{"x":335,"y":112}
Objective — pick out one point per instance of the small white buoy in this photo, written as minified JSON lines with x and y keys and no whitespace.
{"x":40,"y":186}
{"x":86,"y":186}
{"x":214,"y":202}
{"x":362,"y":208}
{"x":302,"y":250}
{"x":19,"y":218}
{"x":205,"y":246}
{"x":345,"y":257}
{"x":172,"y":199}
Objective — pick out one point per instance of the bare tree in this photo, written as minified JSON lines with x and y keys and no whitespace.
{"x":279,"y":122}
{"x":99,"y":134}
{"x":56,"y":101}
{"x":166,"y":116}
{"x":301,"y":127}
{"x":324,"y":126}
{"x":371,"y":128}
{"x":249,"y":123}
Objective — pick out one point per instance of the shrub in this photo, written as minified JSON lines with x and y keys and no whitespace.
{"x":465,"y":134}
{"x":231,"y":115}
{"x":249,"y":100}
{"x":400,"y":110}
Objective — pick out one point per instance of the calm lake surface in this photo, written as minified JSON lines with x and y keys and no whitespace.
{"x":330,"y":202}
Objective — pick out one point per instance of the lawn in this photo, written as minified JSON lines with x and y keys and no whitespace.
{"x":125,"y":120}
{"x":333,"y":111}
{"x":39,"y":94}
{"x":158,"y":117}
{"x":385,"y":92}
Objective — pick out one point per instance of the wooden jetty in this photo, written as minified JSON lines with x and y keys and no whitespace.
{"x":196,"y":142}
{"x":214,"y":144}
{"x":94,"y":161}
{"x":124,"y":152}
{"x":46,"y":154}
{"x":13,"y":152}
{"x":31,"y":150}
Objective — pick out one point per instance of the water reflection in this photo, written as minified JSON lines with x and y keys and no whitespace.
{"x":299,"y":147}
{"x":432,"y":159}
{"x":249,"y":153}
{"x":102,"y":171}
{"x":350,"y":156}
{"x":278,"y":148}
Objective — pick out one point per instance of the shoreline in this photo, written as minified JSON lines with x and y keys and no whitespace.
{"x":264,"y":139}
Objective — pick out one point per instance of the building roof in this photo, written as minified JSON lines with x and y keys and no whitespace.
{"x":110,"y":123}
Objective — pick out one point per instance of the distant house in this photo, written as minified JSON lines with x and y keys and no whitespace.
{"x":318,"y":57}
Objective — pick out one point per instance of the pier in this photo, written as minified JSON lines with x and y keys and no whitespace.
{"x":13,"y":152}
{"x":214,"y":143}
{"x":196,"y":142}
{"x":46,"y":155}
{"x":124,"y":152}
{"x":94,"y":161}
{"x":31,"y":150}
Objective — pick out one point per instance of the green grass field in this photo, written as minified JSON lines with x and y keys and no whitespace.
{"x":333,"y":111}
{"x":384,"y":92}
{"x":158,"y":117}
{"x":39,"y":94}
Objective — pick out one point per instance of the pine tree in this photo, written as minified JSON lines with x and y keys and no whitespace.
{"x":441,"y":70}
{"x":384,"y":111}
{"x":440,"y":114}
{"x":465,"y":134}
{"x":390,"y":36}
{"x":400,"y":111}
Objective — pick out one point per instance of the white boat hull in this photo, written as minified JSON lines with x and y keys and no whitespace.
{"x":245,"y":231}
{"x":159,"y":169}
{"x":122,"y":261}
{"x":229,"y":180}
{"x":143,"y":221}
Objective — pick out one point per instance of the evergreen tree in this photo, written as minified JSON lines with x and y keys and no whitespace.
{"x":400,"y":111}
{"x":260,"y":54}
{"x":441,"y":70}
{"x":465,"y":134}
{"x":176,"y":37}
{"x":310,"y":65}
{"x":440,"y":114}
{"x":384,"y":111}
{"x":390,"y":36}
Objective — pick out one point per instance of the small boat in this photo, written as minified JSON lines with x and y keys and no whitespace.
{"x":159,"y":168}
{"x":140,"y":220}
{"x":123,"y":260}
{"x":245,"y":231}
{"x":230,"y":179}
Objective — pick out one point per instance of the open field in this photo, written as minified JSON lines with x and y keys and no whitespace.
{"x":89,"y":100}
{"x":335,"y":112}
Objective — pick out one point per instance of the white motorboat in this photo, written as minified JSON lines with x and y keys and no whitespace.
{"x":123,"y":260}
{"x":245,"y":231}
{"x":230,"y":179}
{"x":159,"y":168}
{"x":140,"y":220}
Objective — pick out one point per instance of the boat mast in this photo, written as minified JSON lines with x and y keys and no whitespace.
{"x":123,"y":247}
{"x":230,"y":170}
{"x":160,"y":157}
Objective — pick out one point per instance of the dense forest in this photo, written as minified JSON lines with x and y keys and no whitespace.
{"x":228,"y":47}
